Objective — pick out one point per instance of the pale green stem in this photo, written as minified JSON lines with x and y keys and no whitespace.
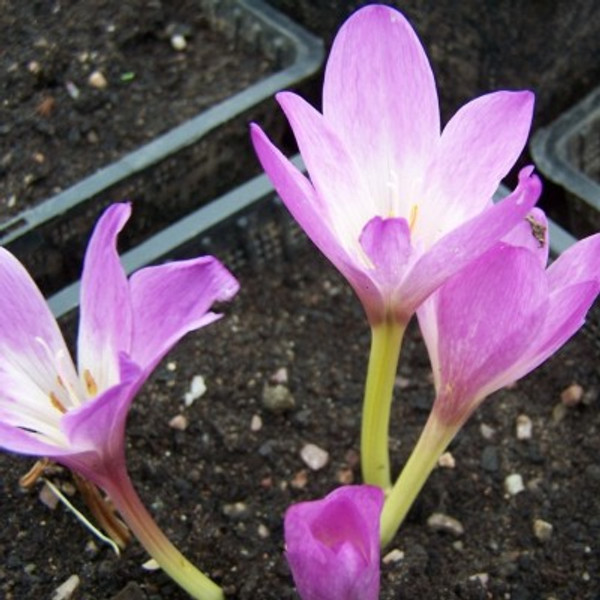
{"x":434,"y":439}
{"x":386,"y":340}
{"x":156,"y":543}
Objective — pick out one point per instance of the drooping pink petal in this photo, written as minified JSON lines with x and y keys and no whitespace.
{"x":172,"y":299}
{"x":478,"y":147}
{"x":468,"y":241}
{"x":332,"y":545}
{"x":483,"y":329}
{"x":578,"y":264}
{"x":379,"y":96}
{"x":105,"y":309}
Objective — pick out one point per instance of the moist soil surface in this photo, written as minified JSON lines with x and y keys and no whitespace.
{"x":84,"y":82}
{"x":220,"y":487}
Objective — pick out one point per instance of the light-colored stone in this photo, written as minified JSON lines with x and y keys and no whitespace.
{"x":442,"y":522}
{"x":178,"y":42}
{"x":314,"y":457}
{"x":486,"y":431}
{"x":572,"y":395}
{"x":280,"y":376}
{"x":524,"y":427}
{"x":513,"y":484}
{"x":263,"y":531}
{"x":300,"y":479}
{"x":277,"y":398}
{"x":542,"y":530}
{"x":66,"y":589}
{"x":256,"y":423}
{"x":98,"y":80}
{"x":48,"y":497}
{"x":197,"y":390}
{"x":179,"y":422}
{"x":393,"y":556}
{"x":447,"y":461}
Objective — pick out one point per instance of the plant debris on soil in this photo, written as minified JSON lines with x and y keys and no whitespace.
{"x":284,"y":369}
{"x":84,"y":82}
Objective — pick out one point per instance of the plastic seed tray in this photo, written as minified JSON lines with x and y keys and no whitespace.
{"x":180,"y":170}
{"x":568,"y":153}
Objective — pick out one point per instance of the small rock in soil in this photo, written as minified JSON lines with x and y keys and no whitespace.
{"x":514,"y":484}
{"x":490,"y":461}
{"x":236,"y":510}
{"x":256,"y":423}
{"x":263,"y":531}
{"x":48,"y":497}
{"x":345,"y":476}
{"x":314,"y":457}
{"x":447,"y":461}
{"x":132,"y":591}
{"x":542,"y":530}
{"x":66,"y":590}
{"x":178,"y":42}
{"x":559,"y":412}
{"x":300,"y":479}
{"x":572,"y":395}
{"x":442,"y":522}
{"x":97,"y":80}
{"x":280,"y":376}
{"x":178,"y":422}
{"x":277,"y":398}
{"x":197,"y":390}
{"x":524,"y":427}
{"x":486,"y":431}
{"x":393,"y":556}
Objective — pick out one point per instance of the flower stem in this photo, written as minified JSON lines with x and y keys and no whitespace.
{"x":386,"y":340}
{"x":434,"y":439}
{"x":121,"y":491}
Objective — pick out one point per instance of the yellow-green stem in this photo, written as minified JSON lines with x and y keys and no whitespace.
{"x":156,"y":543}
{"x":434,"y":439}
{"x":386,"y":340}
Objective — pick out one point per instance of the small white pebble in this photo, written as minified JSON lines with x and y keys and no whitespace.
{"x":66,"y":589}
{"x":572,"y":395}
{"x":151,"y":565}
{"x":542,"y":530}
{"x":178,"y":422}
{"x":447,"y":461}
{"x":171,"y":366}
{"x":72,"y":90}
{"x":513,"y":484}
{"x":314,"y":457}
{"x":97,"y":80}
{"x":486,"y":431}
{"x":280,"y":376}
{"x":393,"y":556}
{"x":48,"y":497}
{"x":263,"y":531}
{"x":178,"y":42}
{"x":442,"y":522}
{"x":524,"y":427}
{"x":256,"y":423}
{"x":483,"y":579}
{"x":34,"y":67}
{"x":197,"y":390}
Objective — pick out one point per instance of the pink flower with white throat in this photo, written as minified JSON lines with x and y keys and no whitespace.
{"x":396,"y":204}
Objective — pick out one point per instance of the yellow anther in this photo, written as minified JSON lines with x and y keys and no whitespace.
{"x":412,"y":219}
{"x":90,"y":383}
{"x":57,"y":403}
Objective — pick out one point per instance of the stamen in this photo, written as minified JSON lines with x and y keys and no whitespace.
{"x":57,"y":403}
{"x":412,"y":219}
{"x":90,"y":383}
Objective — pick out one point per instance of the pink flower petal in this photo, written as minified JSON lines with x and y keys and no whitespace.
{"x":379,"y":96}
{"x":332,"y":545}
{"x":465,"y":243}
{"x":172,"y":299}
{"x":531,"y":233}
{"x":477,"y":149}
{"x":105,"y":312}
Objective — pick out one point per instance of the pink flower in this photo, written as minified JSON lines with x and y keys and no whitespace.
{"x":332,"y":545}
{"x":76,"y":416}
{"x":397,"y":206}
{"x":504,"y":315}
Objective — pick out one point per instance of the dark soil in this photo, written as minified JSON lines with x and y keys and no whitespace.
{"x":56,"y":127}
{"x":302,"y":316}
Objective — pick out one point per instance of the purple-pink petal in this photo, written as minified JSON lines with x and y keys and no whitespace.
{"x":379,"y":96}
{"x":332,"y":545}
{"x":173,"y":299}
{"x":105,"y":325}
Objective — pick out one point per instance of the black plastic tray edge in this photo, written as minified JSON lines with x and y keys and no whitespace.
{"x":309,"y":55}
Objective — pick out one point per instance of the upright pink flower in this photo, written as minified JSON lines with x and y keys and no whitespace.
{"x":332,"y":545}
{"x":396,"y":205}
{"x":76,"y":416}
{"x":488,"y":326}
